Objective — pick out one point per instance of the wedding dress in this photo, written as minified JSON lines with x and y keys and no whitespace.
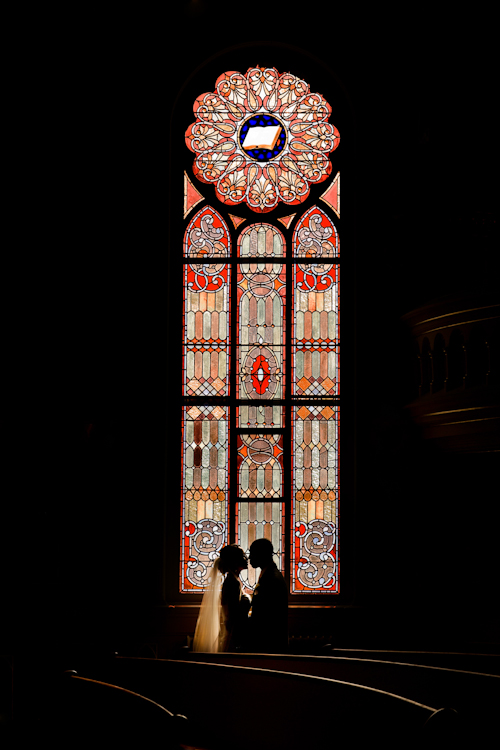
{"x":208,"y":634}
{"x":223,"y":614}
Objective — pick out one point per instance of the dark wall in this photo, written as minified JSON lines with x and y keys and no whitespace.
{"x":85,"y":441}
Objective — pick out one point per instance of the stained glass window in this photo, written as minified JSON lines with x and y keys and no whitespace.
{"x":261,"y":331}
{"x":314,"y":506}
{"x":261,"y":240}
{"x":205,"y":482}
{"x":260,"y":340}
{"x":315,"y":332}
{"x":261,"y":138}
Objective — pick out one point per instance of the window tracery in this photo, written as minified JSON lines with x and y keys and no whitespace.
{"x":261,"y":436}
{"x":261,"y":138}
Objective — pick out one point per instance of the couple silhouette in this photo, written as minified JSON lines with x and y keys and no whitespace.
{"x":225,"y":622}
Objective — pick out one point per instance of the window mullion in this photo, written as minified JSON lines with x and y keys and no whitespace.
{"x":287,"y":458}
{"x":233,"y":370}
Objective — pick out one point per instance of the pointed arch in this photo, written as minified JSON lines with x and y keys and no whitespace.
{"x":265,"y":417}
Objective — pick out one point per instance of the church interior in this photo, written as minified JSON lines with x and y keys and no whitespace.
{"x":91,"y":508}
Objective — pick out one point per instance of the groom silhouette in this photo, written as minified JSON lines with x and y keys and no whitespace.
{"x":268,"y":631}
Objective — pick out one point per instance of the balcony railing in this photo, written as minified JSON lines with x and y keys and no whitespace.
{"x":455,"y":364}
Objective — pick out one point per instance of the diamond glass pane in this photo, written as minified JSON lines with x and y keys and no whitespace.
{"x":205,"y":451}
{"x":261,"y":331}
{"x":315,"y":499}
{"x":260,"y":415}
{"x":260,"y":466}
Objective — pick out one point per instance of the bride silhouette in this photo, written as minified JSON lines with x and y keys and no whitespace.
{"x":223,"y":617}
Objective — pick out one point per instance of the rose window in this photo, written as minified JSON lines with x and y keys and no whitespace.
{"x":261,"y":138}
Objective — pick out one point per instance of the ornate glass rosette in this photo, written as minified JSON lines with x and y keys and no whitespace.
{"x":261,"y":138}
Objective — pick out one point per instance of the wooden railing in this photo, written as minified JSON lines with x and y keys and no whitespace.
{"x":454,"y":366}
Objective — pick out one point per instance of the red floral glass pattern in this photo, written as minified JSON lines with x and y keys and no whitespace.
{"x":205,"y":450}
{"x":315,"y":499}
{"x":261,"y":138}
{"x":315,"y":236}
{"x":207,"y":236}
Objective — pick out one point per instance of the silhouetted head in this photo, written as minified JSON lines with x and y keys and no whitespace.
{"x":261,"y":553}
{"x":232,"y":558}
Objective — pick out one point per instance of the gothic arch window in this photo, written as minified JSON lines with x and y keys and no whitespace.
{"x":260,"y":387}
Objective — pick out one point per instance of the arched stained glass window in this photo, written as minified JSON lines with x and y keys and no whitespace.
{"x":260,"y":375}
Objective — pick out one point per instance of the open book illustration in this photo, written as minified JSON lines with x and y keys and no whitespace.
{"x":262,"y":137}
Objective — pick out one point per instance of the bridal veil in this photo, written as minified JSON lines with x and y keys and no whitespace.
{"x":207,"y":633}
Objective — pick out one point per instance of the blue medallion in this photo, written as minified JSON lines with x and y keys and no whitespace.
{"x":262,"y":137}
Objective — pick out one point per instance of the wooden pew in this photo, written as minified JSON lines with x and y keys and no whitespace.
{"x":474,"y":696}
{"x":79,"y":712}
{"x":467,"y":662}
{"x":240,"y":707}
